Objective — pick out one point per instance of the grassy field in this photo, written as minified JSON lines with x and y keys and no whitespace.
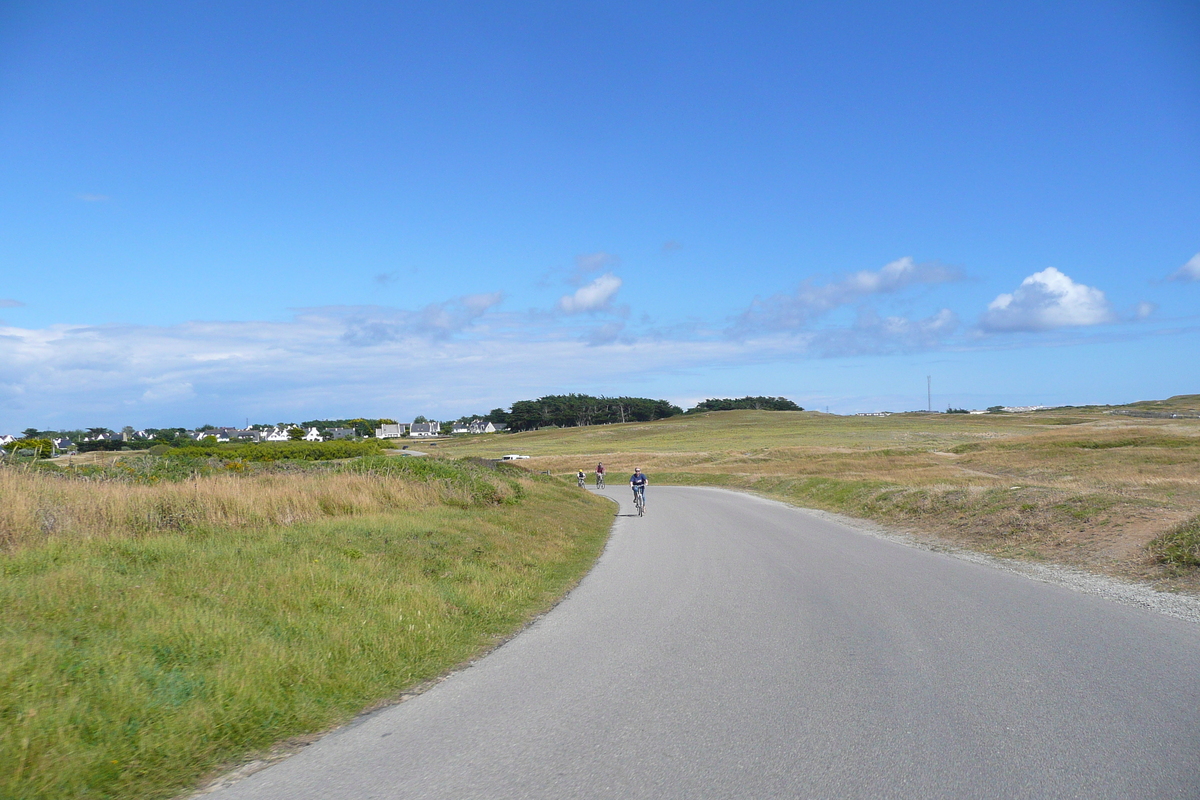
{"x":1084,"y":486}
{"x":152,"y":631}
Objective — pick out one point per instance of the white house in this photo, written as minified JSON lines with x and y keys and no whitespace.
{"x":477,"y":426}
{"x":313,"y":435}
{"x":6,"y":439}
{"x":277,"y":434}
{"x":389,"y":430}
{"x":424,"y":429}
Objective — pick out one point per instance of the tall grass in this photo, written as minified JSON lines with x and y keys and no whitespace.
{"x":123,"y":501}
{"x":155,"y":632}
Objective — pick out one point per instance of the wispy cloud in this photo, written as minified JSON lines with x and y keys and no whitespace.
{"x":588,"y":265}
{"x":783,"y":312}
{"x":309,"y":366}
{"x":8,"y":303}
{"x":671,"y":246}
{"x":1188,"y":272}
{"x":608,"y":333}
{"x":595,"y":296}
{"x":872,"y":334}
{"x":1045,"y":301}
{"x":93,"y":198}
{"x":454,"y":357}
{"x":373,"y":325}
{"x":385,"y":278}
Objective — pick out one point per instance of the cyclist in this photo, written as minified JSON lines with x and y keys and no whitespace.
{"x":600,"y":475}
{"x":580,"y":476}
{"x":638,"y":482}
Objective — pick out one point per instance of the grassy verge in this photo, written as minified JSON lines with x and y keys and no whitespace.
{"x":133,"y":662}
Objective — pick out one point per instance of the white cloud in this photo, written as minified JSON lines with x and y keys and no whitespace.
{"x":1188,"y":272}
{"x":1047,"y":300}
{"x":591,"y":263}
{"x":783,"y":312}
{"x":595,"y":296}
{"x":93,"y":198}
{"x":7,"y":303}
{"x":1143,"y":310}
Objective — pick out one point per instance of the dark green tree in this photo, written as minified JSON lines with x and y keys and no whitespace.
{"x":756,"y":403}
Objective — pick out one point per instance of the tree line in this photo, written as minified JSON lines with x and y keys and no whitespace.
{"x":756,"y":403}
{"x":579,"y":410}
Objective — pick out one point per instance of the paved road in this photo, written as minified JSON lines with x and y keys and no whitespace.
{"x":730,"y":647}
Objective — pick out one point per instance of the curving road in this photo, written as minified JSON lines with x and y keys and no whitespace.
{"x":728,"y":646}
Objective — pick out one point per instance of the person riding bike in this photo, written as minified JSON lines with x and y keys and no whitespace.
{"x":638,"y":482}
{"x":580,"y":476}
{"x":600,"y":475}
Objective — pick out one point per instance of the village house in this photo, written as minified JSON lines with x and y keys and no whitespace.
{"x":278,"y":434}
{"x":477,"y":426}
{"x":424,"y":429}
{"x":333,"y":434}
{"x":389,"y":430}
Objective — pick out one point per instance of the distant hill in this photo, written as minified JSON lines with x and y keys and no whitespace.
{"x":1181,"y":405}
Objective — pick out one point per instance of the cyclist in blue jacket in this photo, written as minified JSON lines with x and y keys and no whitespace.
{"x":638,"y":482}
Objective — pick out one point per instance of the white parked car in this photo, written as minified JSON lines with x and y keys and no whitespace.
{"x":513,"y":457}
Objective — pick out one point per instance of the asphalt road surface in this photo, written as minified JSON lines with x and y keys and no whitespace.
{"x":727,"y":646}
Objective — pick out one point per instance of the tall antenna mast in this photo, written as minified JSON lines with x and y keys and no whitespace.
{"x":929,"y":391}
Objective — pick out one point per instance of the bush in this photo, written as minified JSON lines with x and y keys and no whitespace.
{"x":285,"y":451}
{"x":34,"y":448}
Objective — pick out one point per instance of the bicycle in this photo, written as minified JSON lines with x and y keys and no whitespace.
{"x":639,"y":499}
{"x":581,"y":482}
{"x":599,"y":480}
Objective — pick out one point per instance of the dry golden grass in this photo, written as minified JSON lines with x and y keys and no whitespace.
{"x":1077,"y":485}
{"x":39,"y":505}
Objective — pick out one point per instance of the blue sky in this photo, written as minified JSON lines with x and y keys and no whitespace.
{"x":304,"y":210}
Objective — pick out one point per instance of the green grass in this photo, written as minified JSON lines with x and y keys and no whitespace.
{"x":1180,"y":546}
{"x":131,"y":667}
